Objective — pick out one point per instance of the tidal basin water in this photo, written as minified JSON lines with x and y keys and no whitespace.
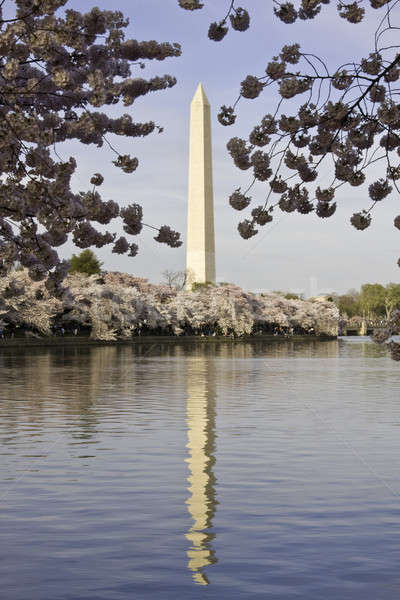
{"x":187,"y":471}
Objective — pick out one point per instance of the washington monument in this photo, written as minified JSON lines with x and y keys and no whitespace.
{"x":200,"y":250}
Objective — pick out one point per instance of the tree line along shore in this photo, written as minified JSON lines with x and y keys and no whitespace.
{"x":118,"y":306}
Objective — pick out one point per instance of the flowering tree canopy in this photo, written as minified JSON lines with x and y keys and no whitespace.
{"x":118,"y":305}
{"x":58,"y":68}
{"x":348,"y":116}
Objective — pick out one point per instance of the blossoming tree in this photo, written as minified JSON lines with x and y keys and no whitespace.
{"x":118,"y":306}
{"x":58,"y":67}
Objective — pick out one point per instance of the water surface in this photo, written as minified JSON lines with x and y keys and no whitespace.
{"x":223,"y":470}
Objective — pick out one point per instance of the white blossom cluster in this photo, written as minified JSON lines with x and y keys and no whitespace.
{"x":118,"y":305}
{"x":348,"y":116}
{"x":28,"y":304}
{"x":58,"y":67}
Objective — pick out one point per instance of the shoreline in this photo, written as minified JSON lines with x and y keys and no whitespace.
{"x":59,"y":341}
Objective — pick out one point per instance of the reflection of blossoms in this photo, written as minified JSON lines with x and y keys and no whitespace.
{"x":394,"y":348}
{"x":381,"y":335}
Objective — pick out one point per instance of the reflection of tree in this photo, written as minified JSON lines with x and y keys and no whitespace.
{"x":201,"y":401}
{"x":210,"y":348}
{"x":75,"y":381}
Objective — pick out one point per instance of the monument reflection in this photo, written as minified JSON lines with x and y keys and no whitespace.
{"x":201,"y":503}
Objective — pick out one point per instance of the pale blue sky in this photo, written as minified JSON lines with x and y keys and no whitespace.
{"x":294,"y":248}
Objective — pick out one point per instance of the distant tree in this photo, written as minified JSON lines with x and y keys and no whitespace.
{"x":86,"y":262}
{"x":293,"y":296}
{"x":392,"y":298}
{"x":372,"y":299}
{"x":174,"y":279}
{"x":348,"y":303}
{"x":289,"y":295}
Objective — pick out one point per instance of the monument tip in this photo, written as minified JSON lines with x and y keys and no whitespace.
{"x":200,"y":95}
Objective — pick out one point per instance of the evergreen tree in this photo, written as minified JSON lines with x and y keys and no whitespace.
{"x":86,"y":262}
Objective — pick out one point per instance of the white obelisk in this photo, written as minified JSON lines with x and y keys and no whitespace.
{"x":200,"y":250}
